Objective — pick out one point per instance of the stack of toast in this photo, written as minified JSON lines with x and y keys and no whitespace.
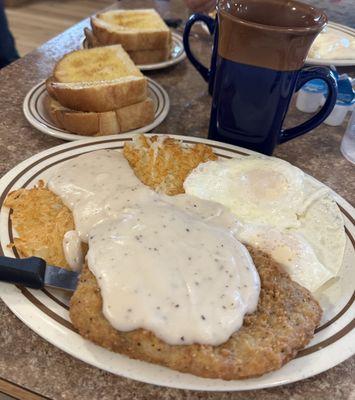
{"x":98,"y":91}
{"x":142,"y":33}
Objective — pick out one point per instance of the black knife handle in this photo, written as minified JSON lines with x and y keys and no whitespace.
{"x":23,"y":271}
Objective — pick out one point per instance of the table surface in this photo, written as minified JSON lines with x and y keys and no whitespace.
{"x":28,"y":362}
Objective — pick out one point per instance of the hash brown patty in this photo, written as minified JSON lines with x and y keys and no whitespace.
{"x":163,"y":163}
{"x":284,"y":322}
{"x":41,"y":220}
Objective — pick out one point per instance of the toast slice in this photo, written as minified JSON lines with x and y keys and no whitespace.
{"x":104,"y":123}
{"x":143,"y":57}
{"x":139,"y":57}
{"x":99,"y":79}
{"x":141,"y":29}
{"x":91,"y":39}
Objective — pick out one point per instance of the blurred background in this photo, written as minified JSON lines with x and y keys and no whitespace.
{"x":33,"y":22}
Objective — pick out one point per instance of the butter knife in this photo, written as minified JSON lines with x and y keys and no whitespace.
{"x":33,"y":272}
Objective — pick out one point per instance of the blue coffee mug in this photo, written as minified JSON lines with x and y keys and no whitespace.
{"x":257,"y":64}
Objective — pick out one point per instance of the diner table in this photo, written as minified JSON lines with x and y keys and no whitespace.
{"x":30,"y":367}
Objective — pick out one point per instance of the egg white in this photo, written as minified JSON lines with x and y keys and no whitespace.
{"x":257,"y":189}
{"x":322,"y":225}
{"x":291,"y":250}
{"x":281,"y":212}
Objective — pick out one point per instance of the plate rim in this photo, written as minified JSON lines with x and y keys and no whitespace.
{"x":68,"y":136}
{"x":113,"y":138}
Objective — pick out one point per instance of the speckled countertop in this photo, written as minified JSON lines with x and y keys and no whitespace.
{"x":30,"y":362}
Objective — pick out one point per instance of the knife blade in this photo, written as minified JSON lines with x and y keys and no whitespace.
{"x":34,"y":272}
{"x":60,"y":278}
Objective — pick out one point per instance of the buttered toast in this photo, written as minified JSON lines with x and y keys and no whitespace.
{"x":97,"y":80}
{"x":139,"y":57}
{"x":104,"y":123}
{"x":135,"y":30}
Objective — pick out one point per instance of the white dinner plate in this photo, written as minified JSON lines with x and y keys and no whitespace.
{"x":330,"y":61}
{"x":37,"y":115}
{"x":46,"y":311}
{"x":177,"y":54}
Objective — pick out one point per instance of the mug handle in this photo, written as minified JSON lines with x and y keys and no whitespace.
{"x":210,"y":22}
{"x":307,"y":74}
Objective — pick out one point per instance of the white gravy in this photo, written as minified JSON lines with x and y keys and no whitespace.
{"x":72,"y":250}
{"x":171,"y":265}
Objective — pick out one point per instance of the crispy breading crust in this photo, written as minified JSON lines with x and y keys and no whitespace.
{"x":41,"y":220}
{"x":284,"y":322}
{"x":163,"y":163}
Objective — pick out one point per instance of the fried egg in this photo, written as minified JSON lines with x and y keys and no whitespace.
{"x":257,"y":189}
{"x":281,"y":211}
{"x":322,"y":225}
{"x":291,"y":250}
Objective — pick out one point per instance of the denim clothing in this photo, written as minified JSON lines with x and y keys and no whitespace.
{"x":8,"y":52}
